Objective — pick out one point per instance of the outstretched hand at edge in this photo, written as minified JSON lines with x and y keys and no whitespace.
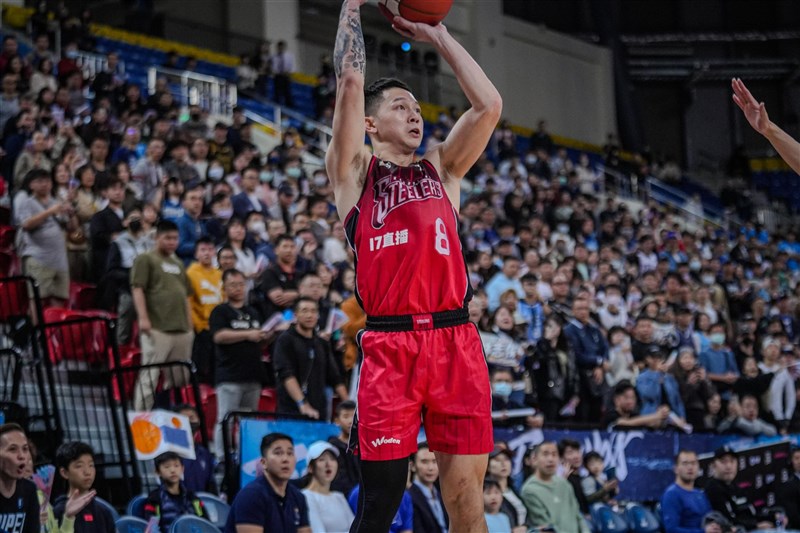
{"x":754,"y":112}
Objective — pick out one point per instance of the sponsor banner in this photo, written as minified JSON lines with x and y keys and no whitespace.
{"x":303,"y":433}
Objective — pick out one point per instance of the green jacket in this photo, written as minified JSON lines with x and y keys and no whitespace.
{"x":553,"y":503}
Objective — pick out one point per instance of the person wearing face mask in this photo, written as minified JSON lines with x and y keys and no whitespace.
{"x":557,"y":382}
{"x":613,"y":312}
{"x":502,"y":379}
{"x":257,"y":237}
{"x":198,"y":473}
{"x":719,"y":362}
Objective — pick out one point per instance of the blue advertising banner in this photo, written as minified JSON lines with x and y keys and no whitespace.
{"x":643,"y":459}
{"x":303,"y":434}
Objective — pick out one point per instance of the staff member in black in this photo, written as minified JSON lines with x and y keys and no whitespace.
{"x":305,"y":365}
{"x":725,"y":495}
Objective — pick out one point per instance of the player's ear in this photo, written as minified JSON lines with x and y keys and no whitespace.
{"x":369,"y":124}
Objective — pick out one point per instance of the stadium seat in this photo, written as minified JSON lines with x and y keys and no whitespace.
{"x":606,"y":520}
{"x":80,"y":341}
{"x":192,"y":524}
{"x":82,"y":296}
{"x":269,"y":400}
{"x":102,"y":503}
{"x":136,"y":506}
{"x":7,"y":234}
{"x":13,"y":300}
{"x":129,"y":356}
{"x":216,"y":509}
{"x":8,"y":263}
{"x":131,"y":524}
{"x":640,"y":519}
{"x":208,"y":403}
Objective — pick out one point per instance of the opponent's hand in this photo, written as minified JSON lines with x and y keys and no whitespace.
{"x":418,"y":31}
{"x":754,"y":112}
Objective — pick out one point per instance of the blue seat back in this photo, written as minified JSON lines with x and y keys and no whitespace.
{"x":192,"y":524}
{"x":136,"y":506}
{"x":103,"y":503}
{"x":216,"y":509}
{"x":606,"y":520}
{"x":131,"y":524}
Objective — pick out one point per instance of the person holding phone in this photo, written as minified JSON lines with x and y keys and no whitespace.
{"x":600,"y":485}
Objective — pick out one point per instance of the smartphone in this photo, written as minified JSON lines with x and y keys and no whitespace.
{"x":611,"y":473}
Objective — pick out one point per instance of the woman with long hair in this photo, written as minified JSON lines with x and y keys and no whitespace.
{"x":87,"y":203}
{"x":553,"y":369}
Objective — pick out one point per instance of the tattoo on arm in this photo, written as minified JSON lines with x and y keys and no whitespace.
{"x":349,"y":50}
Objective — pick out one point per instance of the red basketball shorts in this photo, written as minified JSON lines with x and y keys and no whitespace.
{"x":437,"y":377}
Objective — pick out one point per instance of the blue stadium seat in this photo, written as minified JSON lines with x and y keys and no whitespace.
{"x":136,"y":506}
{"x":109,"y":507}
{"x":216,"y":509}
{"x":606,"y":520}
{"x":192,"y":524}
{"x":640,"y":519}
{"x":130,"y":524}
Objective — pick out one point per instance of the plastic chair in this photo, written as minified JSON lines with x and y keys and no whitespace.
{"x":268,"y":401}
{"x":81,"y":341}
{"x":192,"y":524}
{"x":13,"y":300}
{"x":640,"y":519}
{"x":102,"y":503}
{"x":606,"y":520}
{"x":208,"y":404}
{"x":216,"y":509}
{"x":82,"y":296}
{"x":136,"y":506}
{"x":131,"y":524}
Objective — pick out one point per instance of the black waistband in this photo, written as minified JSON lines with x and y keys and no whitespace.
{"x":421,"y":322}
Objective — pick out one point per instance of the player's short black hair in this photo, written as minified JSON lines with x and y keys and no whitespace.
{"x":271,"y":438}
{"x":373,"y":95}
{"x":72,"y":451}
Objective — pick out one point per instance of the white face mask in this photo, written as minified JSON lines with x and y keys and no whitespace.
{"x":708,"y":279}
{"x":258,"y":227}
{"x":613,"y":300}
{"x":216,"y":173}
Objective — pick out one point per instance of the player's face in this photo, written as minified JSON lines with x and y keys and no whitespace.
{"x":398,"y":119}
{"x":14,"y":455}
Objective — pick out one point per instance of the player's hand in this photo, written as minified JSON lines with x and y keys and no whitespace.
{"x":77,"y":502}
{"x":754,"y":112}
{"x":419,"y":31}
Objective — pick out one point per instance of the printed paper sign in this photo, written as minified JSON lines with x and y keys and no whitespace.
{"x":155,"y":432}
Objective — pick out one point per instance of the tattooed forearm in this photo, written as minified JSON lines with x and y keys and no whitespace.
{"x":349,"y":50}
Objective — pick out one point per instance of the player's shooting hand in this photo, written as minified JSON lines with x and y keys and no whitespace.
{"x":419,"y":31}
{"x":754,"y":112}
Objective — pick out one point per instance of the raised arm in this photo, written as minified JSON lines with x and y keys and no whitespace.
{"x":471,"y":133}
{"x":347,"y":157}
{"x":756,"y":115}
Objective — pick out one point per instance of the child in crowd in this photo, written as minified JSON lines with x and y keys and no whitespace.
{"x":348,"y":475}
{"x":172,"y":499}
{"x":198,"y":473}
{"x":75,"y":463}
{"x":597,"y":486}
{"x":496,"y":521}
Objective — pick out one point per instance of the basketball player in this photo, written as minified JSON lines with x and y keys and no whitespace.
{"x":756,"y":115}
{"x":423,"y":360}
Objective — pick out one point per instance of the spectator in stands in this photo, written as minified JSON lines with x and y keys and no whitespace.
{"x":109,"y":82}
{"x":695,"y":389}
{"x":282,"y":65}
{"x":160,"y":296}
{"x":328,"y":510}
{"x":552,"y":366}
{"x":35,"y":157}
{"x":304,"y":366}
{"x":549,"y":498}
{"x":591,"y":358}
{"x":41,"y":50}
{"x":172,"y":499}
{"x":277,"y":288}
{"x":206,"y":281}
{"x":656,"y":388}
{"x":179,"y":166}
{"x":196,"y":128}
{"x":743,"y":418}
{"x":19,"y":504}
{"x":347,"y":475}
{"x":596,"y":485}
{"x":496,"y":520}
{"x":430,"y":515}
{"x":620,"y":357}
{"x":782,"y":396}
{"x":75,"y":464}
{"x":503,"y":349}
{"x":190,"y":226}
{"x":220,"y":149}
{"x":719,"y":362}
{"x":171,"y":208}
{"x":504,"y":280}
{"x":238,"y":340}
{"x":43,"y":78}
{"x":198,"y":473}
{"x":270,"y":503}
{"x":499,"y":469}
{"x":572,"y":462}
{"x":9,"y":99}
{"x":788,"y":493}
{"x":148,"y":174}
{"x":683,"y":506}
{"x":726,"y":497}
{"x":624,"y":416}
{"x":502,"y":380}
{"x":10,"y":49}
{"x":248,"y":201}
{"x":42,"y":246}
{"x":106,"y":225}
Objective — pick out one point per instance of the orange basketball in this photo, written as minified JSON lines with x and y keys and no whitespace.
{"x":428,"y":11}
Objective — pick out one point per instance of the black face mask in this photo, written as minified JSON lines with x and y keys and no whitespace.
{"x":195,"y":427}
{"x":195,"y":117}
{"x":135,"y":225}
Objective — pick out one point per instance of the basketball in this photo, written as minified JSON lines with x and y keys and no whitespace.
{"x":428,"y":11}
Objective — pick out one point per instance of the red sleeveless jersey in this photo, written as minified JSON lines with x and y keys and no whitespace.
{"x":404,"y":232}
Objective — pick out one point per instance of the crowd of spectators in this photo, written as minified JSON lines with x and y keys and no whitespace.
{"x":591,"y":313}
